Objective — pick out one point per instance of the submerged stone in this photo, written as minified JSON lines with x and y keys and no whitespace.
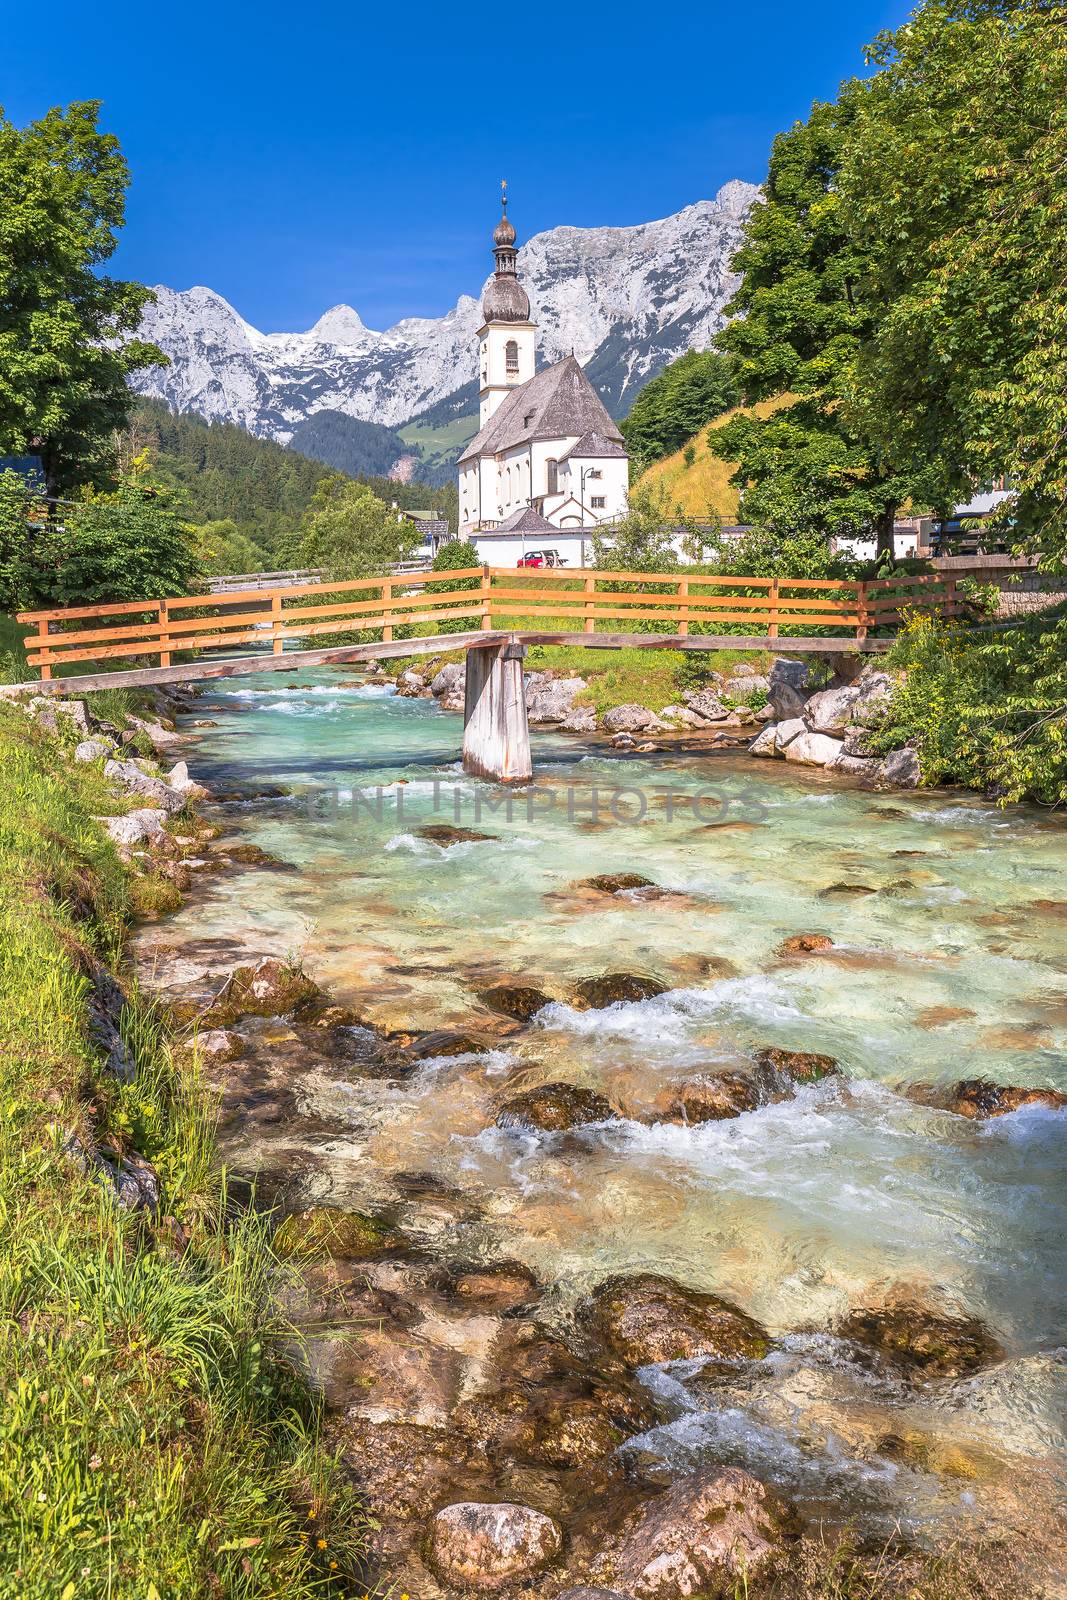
{"x":446,"y":833}
{"x":616,"y":882}
{"x":555,"y":1107}
{"x":516,"y":1000}
{"x":500,"y":1286}
{"x":923,"y":1339}
{"x":610,"y":988}
{"x":484,"y":1547}
{"x":647,"y":1318}
{"x":833,"y":890}
{"x":704,"y":1537}
{"x":796,"y":1066}
{"x":446,"y":1042}
{"x":805,"y":944}
{"x":978,"y":1098}
{"x":327,"y":1231}
{"x":272,"y":988}
{"x":707,"y":1097}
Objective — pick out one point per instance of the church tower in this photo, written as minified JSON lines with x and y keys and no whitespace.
{"x":507,"y":337}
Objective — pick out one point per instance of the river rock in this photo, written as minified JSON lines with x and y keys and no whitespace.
{"x":450,"y":680}
{"x":805,"y":944}
{"x":707,"y":1097}
{"x":410,"y":684}
{"x":272,"y":988}
{"x":980,"y":1099}
{"x":98,"y":748}
{"x":447,"y":833}
{"x":219,"y":1044}
{"x":862,"y":767}
{"x":766,"y":741}
{"x":785,"y":732}
{"x":445,"y":1042}
{"x":813,"y":749}
{"x":616,"y":882}
{"x":517,"y":1000}
{"x":326,"y":1231}
{"x":611,"y":988}
{"x":582,"y":719}
{"x":872,"y":701}
{"x":550,"y":699}
{"x":594,"y":1593}
{"x":178,"y":778}
{"x":922,"y":1339}
{"x":900,"y":770}
{"x":49,"y":712}
{"x":788,"y":686}
{"x":829,"y":710}
{"x":705,"y":1536}
{"x":647,"y":1318}
{"x":136,"y":827}
{"x":158,"y":736}
{"x":856,"y":741}
{"x":129,"y":776}
{"x":707,"y":706}
{"x":630,"y":719}
{"x":555,"y":1107}
{"x":484,"y":1547}
{"x":787,"y":1068}
{"x":499,"y":1286}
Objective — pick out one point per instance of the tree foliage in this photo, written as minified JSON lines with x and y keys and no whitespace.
{"x":643,"y":541}
{"x":799,"y":317}
{"x":128,"y":544}
{"x":955,"y":180}
{"x":349,"y":532}
{"x":685,"y":397}
{"x":223,"y":550}
{"x":66,"y":329}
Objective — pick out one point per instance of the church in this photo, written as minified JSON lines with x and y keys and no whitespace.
{"x":548,"y":464}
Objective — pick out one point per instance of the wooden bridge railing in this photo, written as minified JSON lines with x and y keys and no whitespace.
{"x":578,"y":602}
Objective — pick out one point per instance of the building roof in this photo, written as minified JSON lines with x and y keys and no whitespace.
{"x":553,"y":404}
{"x":505,"y":299}
{"x":594,"y":446}
{"x":525,"y":520}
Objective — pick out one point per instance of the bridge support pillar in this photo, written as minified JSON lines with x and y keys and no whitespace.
{"x":496,"y":734}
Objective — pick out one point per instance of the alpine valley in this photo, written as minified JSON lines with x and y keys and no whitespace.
{"x":626,"y":300}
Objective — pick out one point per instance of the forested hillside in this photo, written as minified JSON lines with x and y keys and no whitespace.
{"x":226,"y":474}
{"x":684,"y":398}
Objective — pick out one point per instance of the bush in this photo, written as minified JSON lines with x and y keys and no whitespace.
{"x":454,"y":557}
{"x":986,"y":710}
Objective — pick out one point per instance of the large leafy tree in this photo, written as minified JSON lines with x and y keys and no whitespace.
{"x":67,"y":330}
{"x":798,"y":320}
{"x":955,"y":181}
{"x":349,"y":532}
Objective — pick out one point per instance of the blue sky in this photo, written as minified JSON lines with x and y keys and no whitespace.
{"x":294,"y":157}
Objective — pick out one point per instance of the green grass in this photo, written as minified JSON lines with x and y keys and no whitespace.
{"x":154,"y":1441}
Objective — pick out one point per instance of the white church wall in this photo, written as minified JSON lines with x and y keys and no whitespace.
{"x":495,"y":380}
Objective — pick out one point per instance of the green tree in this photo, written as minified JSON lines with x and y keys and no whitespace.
{"x":66,"y":349}
{"x":455,"y":556}
{"x":129,"y":544}
{"x":27,"y":546}
{"x":684,"y":398}
{"x":222,"y":549}
{"x":643,"y":541}
{"x":349,"y":533}
{"x":954,"y":180}
{"x":798,"y":319}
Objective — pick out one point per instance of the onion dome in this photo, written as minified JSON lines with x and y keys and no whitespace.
{"x":505,"y":299}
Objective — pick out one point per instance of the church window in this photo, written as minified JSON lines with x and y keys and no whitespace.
{"x":552,"y":467}
{"x":511,"y":355}
{"x":597,"y":502}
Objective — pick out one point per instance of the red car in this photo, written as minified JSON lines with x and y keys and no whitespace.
{"x":542,"y":558}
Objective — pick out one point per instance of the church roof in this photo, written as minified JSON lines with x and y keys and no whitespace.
{"x":553,"y":404}
{"x":594,"y":446}
{"x":526,"y":520}
{"x":505,"y":299}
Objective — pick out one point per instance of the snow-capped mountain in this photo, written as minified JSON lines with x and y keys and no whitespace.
{"x":625,"y":300}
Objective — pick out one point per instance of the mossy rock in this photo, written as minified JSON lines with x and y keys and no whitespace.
{"x":647,"y":1318}
{"x":326,"y":1231}
{"x":610,"y":988}
{"x":922,"y":1339}
{"x":616,"y":882}
{"x":270,"y":989}
{"x":796,"y":1066}
{"x":554,"y":1108}
{"x":445,"y":834}
{"x":516,"y":1000}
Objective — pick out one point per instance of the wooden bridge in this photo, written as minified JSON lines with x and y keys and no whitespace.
{"x":492,"y":612}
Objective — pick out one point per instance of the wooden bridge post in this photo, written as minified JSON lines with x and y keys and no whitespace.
{"x":496,"y":733}
{"x":164,"y":636}
{"x":277,"y":643}
{"x":861,"y":609}
{"x":683,"y":611}
{"x":387,"y":604}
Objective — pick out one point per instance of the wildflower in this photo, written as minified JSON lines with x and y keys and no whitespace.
{"x":42,"y":1496}
{"x":95,"y":1463}
{"x":321,"y":1543}
{"x":333,"y":1566}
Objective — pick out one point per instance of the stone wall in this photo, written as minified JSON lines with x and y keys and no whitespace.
{"x":1023,"y":589}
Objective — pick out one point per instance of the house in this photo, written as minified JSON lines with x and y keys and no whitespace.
{"x":548,"y":464}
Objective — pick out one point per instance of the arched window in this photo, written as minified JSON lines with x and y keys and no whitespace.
{"x":511,"y":355}
{"x":552,"y":467}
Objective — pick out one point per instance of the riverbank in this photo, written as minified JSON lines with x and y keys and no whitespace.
{"x":157,"y":1439}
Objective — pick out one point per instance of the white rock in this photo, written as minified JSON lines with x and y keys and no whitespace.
{"x":630,"y":719}
{"x":813,"y":749}
{"x":581,"y":720}
{"x":766,"y":742}
{"x":486,"y":1546}
{"x":551,"y":699}
{"x":94,"y":749}
{"x":135,"y":827}
{"x":161,"y":738}
{"x":855,"y":766}
{"x":829,"y":710}
{"x":134,"y":780}
{"x":47,"y":710}
{"x":178,"y":778}
{"x":785,"y":732}
{"x":450,"y":679}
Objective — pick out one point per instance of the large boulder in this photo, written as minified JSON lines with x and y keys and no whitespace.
{"x":613,"y":988}
{"x":582,"y":719}
{"x":550,"y":699}
{"x":555,"y":1107}
{"x":450,"y":680}
{"x":484,"y":1547}
{"x":97,"y":748}
{"x":52,"y":714}
{"x":516,"y":1000}
{"x":789,"y":685}
{"x":145,"y":825}
{"x":647,"y":1318}
{"x":875,"y":690}
{"x":785,"y":732}
{"x":922,"y":1339}
{"x":830,"y":710}
{"x":131,"y":777}
{"x":272,"y":988}
{"x":766,"y":741}
{"x":706,"y":1536}
{"x":851,"y":766}
{"x":630,"y":719}
{"x":813,"y":749}
{"x":900,"y":770}
{"x":707,"y":706}
{"x":178,"y":778}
